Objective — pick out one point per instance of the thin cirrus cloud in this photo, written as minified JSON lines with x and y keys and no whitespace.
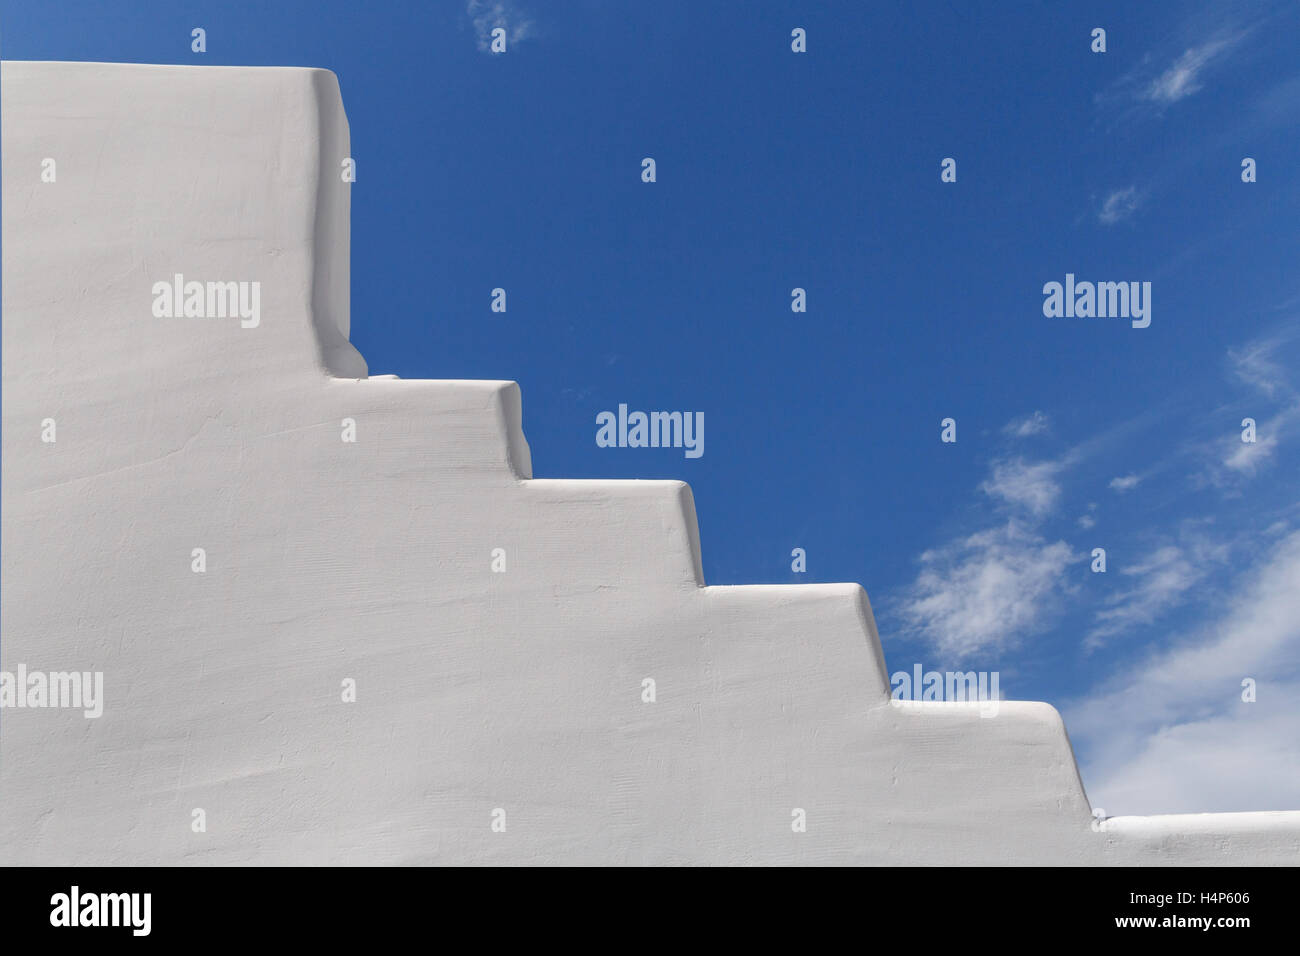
{"x":1179,"y":68}
{"x":1207,"y":719}
{"x":1034,"y":424}
{"x":988,"y":590}
{"x":1173,"y":734}
{"x":488,"y":15}
{"x":1028,"y":485}
{"x":1013,"y":578}
{"x":1247,"y":458}
{"x":1183,"y":77}
{"x":984,"y":591}
{"x":1274,"y":405}
{"x":1256,"y":364}
{"x":1161,"y":580}
{"x":1119,"y":205}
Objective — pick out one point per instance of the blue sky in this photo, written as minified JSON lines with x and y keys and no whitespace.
{"x":821,"y":170}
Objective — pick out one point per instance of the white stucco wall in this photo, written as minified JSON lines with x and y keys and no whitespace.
{"x":371,"y":560}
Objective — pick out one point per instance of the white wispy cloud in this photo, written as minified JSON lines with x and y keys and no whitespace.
{"x":1161,"y":580}
{"x":1086,"y":521}
{"x":1247,"y":458}
{"x":488,"y":15}
{"x":1125,"y":483}
{"x":1183,"y":77}
{"x":985,"y":591}
{"x":1275,"y":406}
{"x":1031,"y":486}
{"x":1119,"y":205}
{"x":1178,"y":67}
{"x":1173,"y":735}
{"x":992,"y":589}
{"x":1256,"y":364}
{"x":1034,"y":424}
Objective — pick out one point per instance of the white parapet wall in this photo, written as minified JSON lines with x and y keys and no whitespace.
{"x":500,"y":716}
